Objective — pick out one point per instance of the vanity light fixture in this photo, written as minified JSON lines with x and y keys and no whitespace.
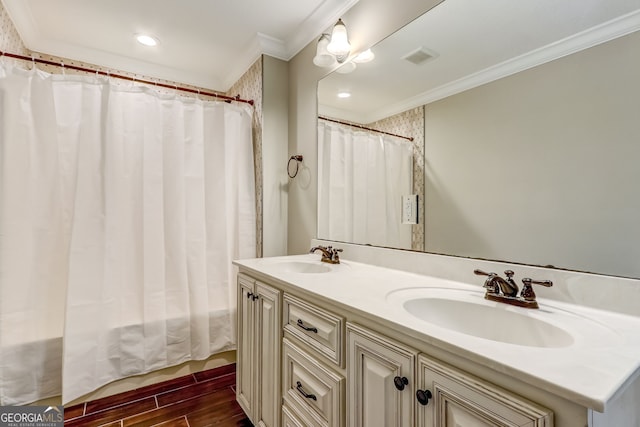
{"x":335,"y":48}
{"x":339,"y":43}
{"x":366,"y":56}
{"x":346,"y":68}
{"x":350,"y":66}
{"x":147,"y":40}
{"x":323,"y":57}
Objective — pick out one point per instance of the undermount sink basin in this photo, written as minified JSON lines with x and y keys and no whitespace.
{"x":467,"y":312}
{"x":300,"y":267}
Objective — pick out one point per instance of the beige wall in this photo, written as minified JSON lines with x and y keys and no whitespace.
{"x":368,"y":22}
{"x":274,"y":159}
{"x":541,"y":167}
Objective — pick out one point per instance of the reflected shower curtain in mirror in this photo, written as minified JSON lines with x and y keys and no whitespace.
{"x":124,"y":209}
{"x":362,"y":177}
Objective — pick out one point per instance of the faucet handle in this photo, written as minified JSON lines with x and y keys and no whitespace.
{"x":482,"y":273}
{"x":527,"y":290}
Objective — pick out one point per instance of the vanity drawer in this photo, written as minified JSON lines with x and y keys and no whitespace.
{"x":291,"y":418}
{"x":315,"y":326}
{"x":310,"y":389}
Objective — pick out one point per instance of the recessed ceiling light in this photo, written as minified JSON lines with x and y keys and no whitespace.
{"x":344,"y":94}
{"x":146,"y":40}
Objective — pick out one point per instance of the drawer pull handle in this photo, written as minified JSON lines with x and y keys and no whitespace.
{"x":304,"y":393}
{"x":400,"y":382}
{"x":307,"y":328}
{"x":423,"y":396}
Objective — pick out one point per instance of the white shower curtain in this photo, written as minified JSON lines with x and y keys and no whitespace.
{"x":32,"y":240}
{"x":145,"y":202}
{"x":362,"y":177}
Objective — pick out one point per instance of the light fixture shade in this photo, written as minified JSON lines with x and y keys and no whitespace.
{"x":365,"y":56}
{"x":346,"y":68}
{"x":323,"y":58}
{"x":339,"y":44}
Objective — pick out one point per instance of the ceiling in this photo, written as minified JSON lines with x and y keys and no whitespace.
{"x":206,"y":43}
{"x":472,"y":43}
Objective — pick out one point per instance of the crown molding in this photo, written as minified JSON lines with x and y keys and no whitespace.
{"x":323,"y":16}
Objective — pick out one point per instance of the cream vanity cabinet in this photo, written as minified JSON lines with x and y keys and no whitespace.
{"x":332,"y":372}
{"x":448,"y":397}
{"x":258,"y":353}
{"x":385,"y":390}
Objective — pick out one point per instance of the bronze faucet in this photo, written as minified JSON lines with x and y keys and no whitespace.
{"x":329,"y":254}
{"x":506,"y":290}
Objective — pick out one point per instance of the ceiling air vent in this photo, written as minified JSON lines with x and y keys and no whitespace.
{"x":419,"y":56}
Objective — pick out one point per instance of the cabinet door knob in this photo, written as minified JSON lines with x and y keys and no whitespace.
{"x":307,"y":328}
{"x":249,"y":295}
{"x":304,"y":393}
{"x":254,"y":297}
{"x":400,"y":382}
{"x":423,"y":396}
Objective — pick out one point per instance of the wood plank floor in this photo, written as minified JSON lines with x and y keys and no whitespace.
{"x":198,"y":400}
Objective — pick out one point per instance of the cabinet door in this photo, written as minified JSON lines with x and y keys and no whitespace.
{"x":244,"y":370}
{"x":460,"y":400}
{"x":268,"y":333}
{"x":380,"y":380}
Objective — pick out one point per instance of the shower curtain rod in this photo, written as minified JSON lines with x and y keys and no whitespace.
{"x":122,"y":77}
{"x":409,"y":138}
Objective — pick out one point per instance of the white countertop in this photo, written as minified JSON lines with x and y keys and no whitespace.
{"x":603,"y":358}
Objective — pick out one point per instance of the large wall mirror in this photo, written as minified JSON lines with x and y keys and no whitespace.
{"x":515,"y":124}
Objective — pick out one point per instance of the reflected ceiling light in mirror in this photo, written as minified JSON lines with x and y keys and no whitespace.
{"x":323,"y":58}
{"x":344,"y":94}
{"x":366,"y":56}
{"x":146,"y":40}
{"x":339,"y":44}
